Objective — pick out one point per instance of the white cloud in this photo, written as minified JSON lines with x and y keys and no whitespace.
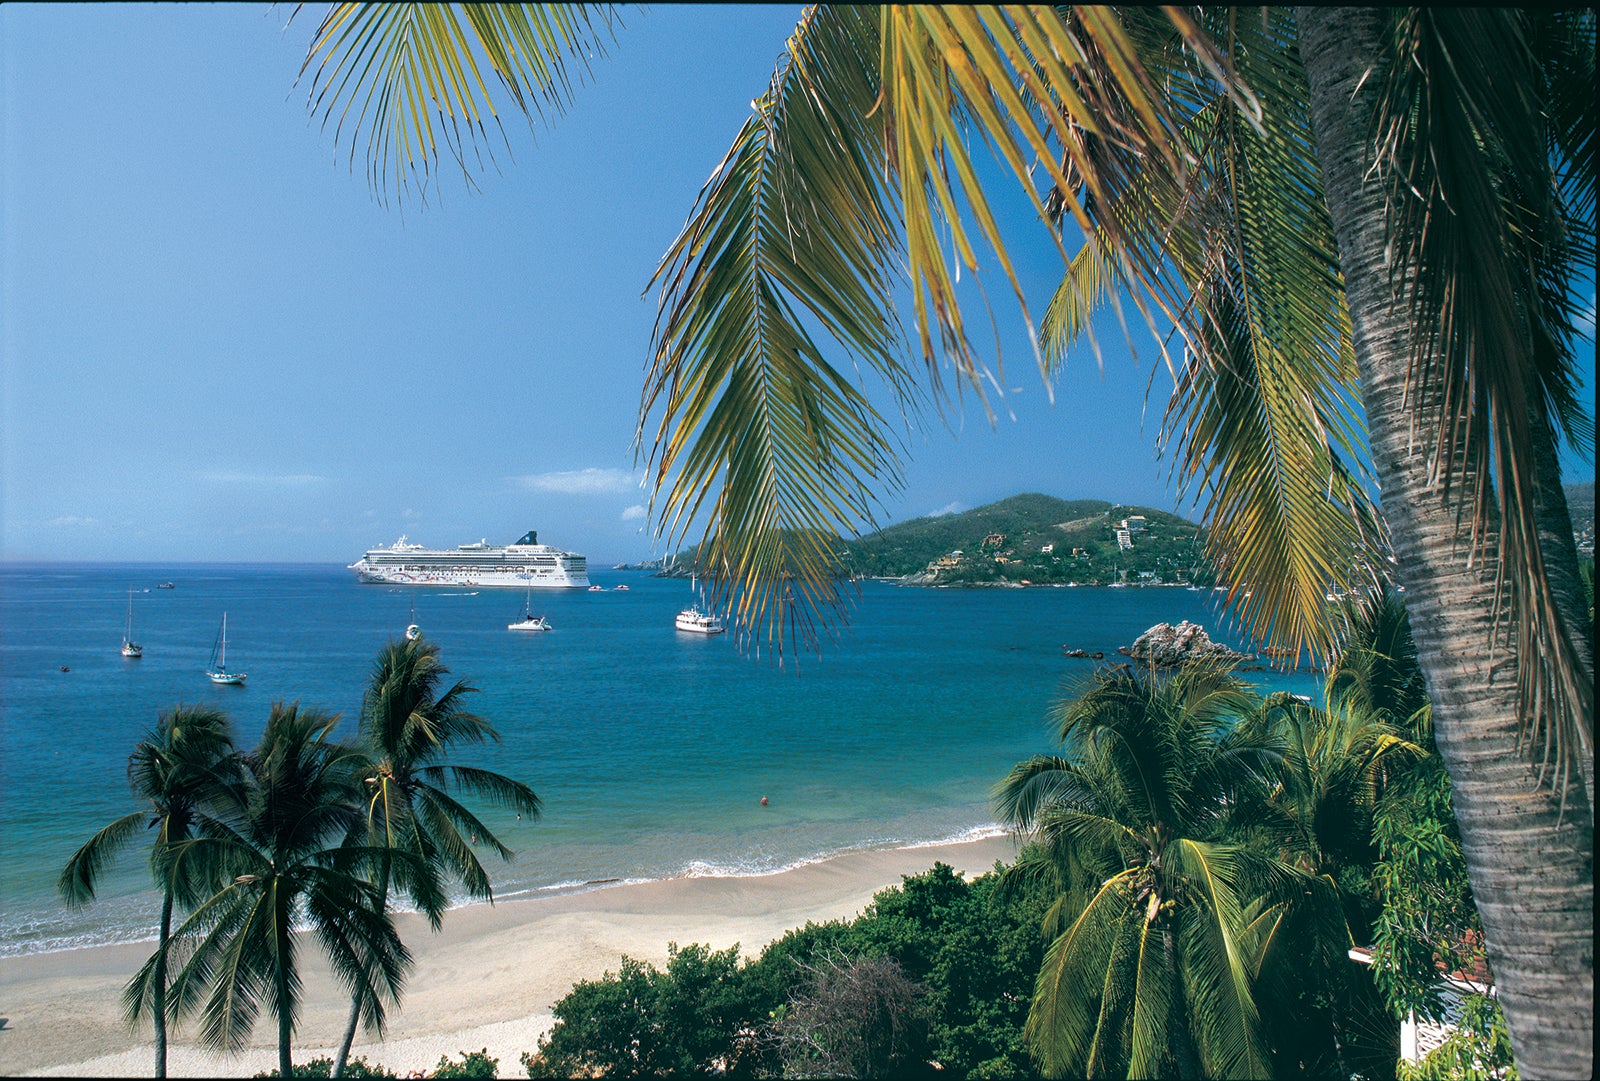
{"x":949,"y":508}
{"x":263,"y":480}
{"x":580,"y":482}
{"x":1584,"y":322}
{"x":634,"y":513}
{"x":71,"y":521}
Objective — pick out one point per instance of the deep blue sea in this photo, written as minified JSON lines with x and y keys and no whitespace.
{"x":650,"y":748}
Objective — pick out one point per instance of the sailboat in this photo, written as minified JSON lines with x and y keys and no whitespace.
{"x":130,"y":649}
{"x":218,"y":670}
{"x":529,"y":621}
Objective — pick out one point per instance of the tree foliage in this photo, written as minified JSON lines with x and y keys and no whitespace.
{"x":973,"y":954}
{"x":688,"y":1020}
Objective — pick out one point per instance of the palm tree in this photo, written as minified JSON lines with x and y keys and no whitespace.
{"x":280,"y":847}
{"x":176,"y":768}
{"x":409,"y":730}
{"x":1162,"y":919}
{"x":1376,"y":670}
{"x":1529,"y":846}
{"x":1296,"y":253}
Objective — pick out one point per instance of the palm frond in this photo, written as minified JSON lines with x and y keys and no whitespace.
{"x":445,"y":820}
{"x":1221,"y":1001}
{"x":1470,"y":177}
{"x":234,"y":959}
{"x":499,"y":789}
{"x":1033,"y":784}
{"x":1150,"y":1037}
{"x":360,"y":940}
{"x":1062,"y":1019}
{"x":406,"y":84}
{"x":759,"y":433}
{"x":76,"y":882}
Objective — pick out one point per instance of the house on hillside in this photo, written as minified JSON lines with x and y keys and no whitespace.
{"x":1124,"y":539}
{"x":1047,"y":548}
{"x":994,"y":540}
{"x":1134,"y":523}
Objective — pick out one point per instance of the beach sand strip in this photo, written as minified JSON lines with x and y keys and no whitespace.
{"x":489,"y":979}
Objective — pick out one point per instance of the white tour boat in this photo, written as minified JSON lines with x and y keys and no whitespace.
{"x":526,"y":563}
{"x":697,"y":622}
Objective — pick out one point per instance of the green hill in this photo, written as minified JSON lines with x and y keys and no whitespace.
{"x":1036,"y":539}
{"x":1028,"y":539}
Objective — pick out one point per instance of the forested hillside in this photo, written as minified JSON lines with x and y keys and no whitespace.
{"x":1036,"y":539}
{"x":1029,"y":539}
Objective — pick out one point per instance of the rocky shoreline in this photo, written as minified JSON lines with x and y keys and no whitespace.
{"x":1166,"y":646}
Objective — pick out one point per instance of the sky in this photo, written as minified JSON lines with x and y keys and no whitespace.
{"x":220,"y":346}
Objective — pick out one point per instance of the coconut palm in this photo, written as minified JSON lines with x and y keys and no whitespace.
{"x":281,"y":844}
{"x":1162,"y":919}
{"x":1297,"y":195}
{"x":411,"y":726}
{"x":176,"y":769}
{"x":1376,"y":670}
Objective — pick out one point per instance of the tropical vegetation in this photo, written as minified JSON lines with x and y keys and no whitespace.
{"x":410,"y":728}
{"x":300,"y":837}
{"x":938,"y":969}
{"x":1026,"y":539}
{"x":1201,"y":860}
{"x":1368,"y":229}
{"x":178,"y":768}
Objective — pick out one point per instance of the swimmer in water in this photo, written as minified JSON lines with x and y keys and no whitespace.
{"x":763,"y":801}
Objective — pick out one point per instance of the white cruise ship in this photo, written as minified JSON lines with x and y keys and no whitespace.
{"x":527,"y":564}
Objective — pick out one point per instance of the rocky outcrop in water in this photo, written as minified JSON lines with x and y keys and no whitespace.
{"x":1166,"y":646}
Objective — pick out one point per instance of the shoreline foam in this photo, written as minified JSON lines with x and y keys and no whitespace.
{"x":125,"y":935}
{"x":488,"y":980}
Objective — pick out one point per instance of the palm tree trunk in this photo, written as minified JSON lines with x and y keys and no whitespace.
{"x":158,"y":988}
{"x":285,"y":947}
{"x":339,"y":1058}
{"x":359,"y":998}
{"x":1531,"y":867}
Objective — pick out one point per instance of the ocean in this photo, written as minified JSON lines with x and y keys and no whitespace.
{"x":651,"y":749}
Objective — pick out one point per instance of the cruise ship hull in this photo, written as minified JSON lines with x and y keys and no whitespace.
{"x":523,"y":565}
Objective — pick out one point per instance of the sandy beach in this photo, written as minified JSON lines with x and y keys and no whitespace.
{"x":488,"y":980}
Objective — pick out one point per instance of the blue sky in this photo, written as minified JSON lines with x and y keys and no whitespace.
{"x":219,"y":346}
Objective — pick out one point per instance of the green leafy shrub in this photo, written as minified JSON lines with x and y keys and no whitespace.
{"x":691,"y":1019}
{"x":974,"y":955}
{"x":1421,"y":876}
{"x":472,"y":1064}
{"x":354,"y":1066}
{"x":1478,"y":1050}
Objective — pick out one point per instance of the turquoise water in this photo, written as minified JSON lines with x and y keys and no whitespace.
{"x":650,"y":748}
